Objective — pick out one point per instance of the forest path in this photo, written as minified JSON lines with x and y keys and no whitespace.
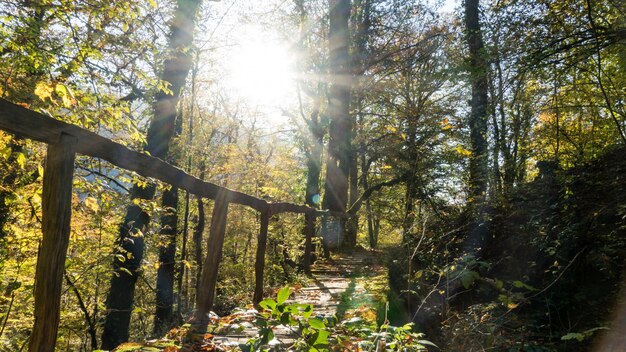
{"x":349,"y":284}
{"x":336,"y":286}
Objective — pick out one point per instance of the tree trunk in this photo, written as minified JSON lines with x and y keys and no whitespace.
{"x":376,"y":222}
{"x":496,"y":100}
{"x":182,"y":272}
{"x":91,"y":325}
{"x":410,"y":197}
{"x":362,"y":29}
{"x":365,"y":166}
{"x":340,"y":128}
{"x":160,"y":132}
{"x":352,"y":223}
{"x":309,"y":232}
{"x":183,"y":291}
{"x":373,"y":240}
{"x":316,"y":142}
{"x":477,"y":121}
{"x":164,"y":314}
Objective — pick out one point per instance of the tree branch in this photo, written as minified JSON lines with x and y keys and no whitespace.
{"x":368,"y":192}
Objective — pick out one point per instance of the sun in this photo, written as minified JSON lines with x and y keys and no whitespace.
{"x":260,"y":69}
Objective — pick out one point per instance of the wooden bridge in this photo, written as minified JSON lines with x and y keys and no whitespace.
{"x":64,"y":142}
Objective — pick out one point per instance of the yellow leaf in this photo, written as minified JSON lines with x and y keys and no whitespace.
{"x":36,"y":199}
{"x":485,"y":317}
{"x":21,"y":160}
{"x":43,"y":91}
{"x":92,"y":203}
{"x":512,"y":305}
{"x":5,"y":152}
{"x":66,"y":94}
{"x":445,"y":124}
{"x":462,"y":151}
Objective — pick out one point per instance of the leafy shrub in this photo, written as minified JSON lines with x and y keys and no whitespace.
{"x":324,"y":333}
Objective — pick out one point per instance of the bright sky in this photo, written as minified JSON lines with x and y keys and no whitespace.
{"x":255,"y":60}
{"x":448,"y":6}
{"x":260,"y":70}
{"x":251,"y":60}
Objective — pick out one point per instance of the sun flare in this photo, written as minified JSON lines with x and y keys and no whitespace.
{"x":261,"y":70}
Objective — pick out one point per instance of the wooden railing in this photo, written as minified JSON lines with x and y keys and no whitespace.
{"x":64,"y":142}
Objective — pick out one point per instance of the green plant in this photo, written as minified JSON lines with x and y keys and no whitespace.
{"x":308,"y":332}
{"x":580,"y":336}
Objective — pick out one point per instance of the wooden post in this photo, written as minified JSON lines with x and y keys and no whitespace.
{"x":215,"y":243}
{"x":259,"y":265}
{"x":309,"y":231}
{"x":57,"y":211}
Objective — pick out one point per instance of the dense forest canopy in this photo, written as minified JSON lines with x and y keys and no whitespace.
{"x":478,"y":146}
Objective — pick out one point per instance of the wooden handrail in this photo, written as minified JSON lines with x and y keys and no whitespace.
{"x":36,"y":126}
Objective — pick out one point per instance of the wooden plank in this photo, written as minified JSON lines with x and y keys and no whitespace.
{"x":259,"y":265}
{"x":309,"y":232}
{"x":57,"y":211}
{"x":215,"y":243}
{"x":283,"y":207}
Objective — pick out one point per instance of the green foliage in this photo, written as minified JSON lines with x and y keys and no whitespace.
{"x":321,"y":333}
{"x":580,"y":336}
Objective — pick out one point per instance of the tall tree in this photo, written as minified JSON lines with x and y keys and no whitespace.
{"x":315,"y":140}
{"x":160,"y":132}
{"x":477,"y":120}
{"x":362,"y":23}
{"x":340,"y":128}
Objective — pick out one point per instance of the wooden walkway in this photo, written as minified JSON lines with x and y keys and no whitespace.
{"x":336,"y":287}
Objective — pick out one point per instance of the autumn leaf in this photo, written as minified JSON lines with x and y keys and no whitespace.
{"x":66,"y":94}
{"x":462,"y":151}
{"x":21,"y":160}
{"x":92,"y":204}
{"x":512,"y":305}
{"x":43,"y":91}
